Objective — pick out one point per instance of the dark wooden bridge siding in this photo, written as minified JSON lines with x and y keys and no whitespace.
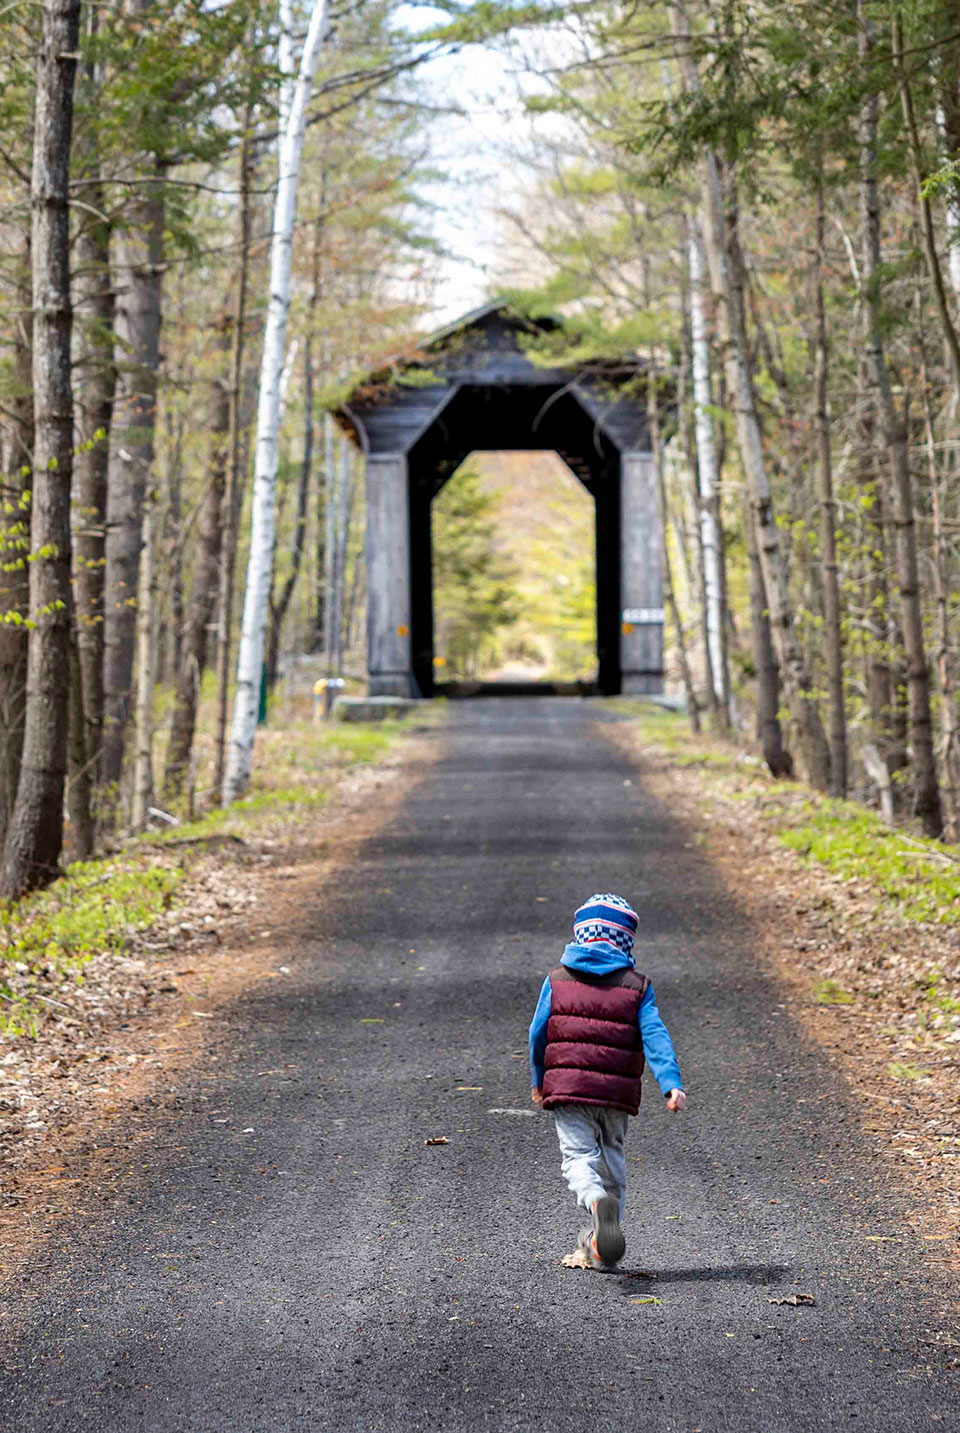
{"x":397,"y":406}
{"x":474,"y":387}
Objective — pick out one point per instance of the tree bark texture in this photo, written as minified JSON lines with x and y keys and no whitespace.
{"x":710,"y":529}
{"x":670,"y":599}
{"x":82,"y":829}
{"x":96,"y":374}
{"x":203,"y":594}
{"x":794,"y":670}
{"x":146,"y":669}
{"x":873,"y":543}
{"x":833,"y":634}
{"x":97,"y":379}
{"x":332,"y":527}
{"x":262,"y":533}
{"x":14,"y":546}
{"x":139,"y":269}
{"x":727,"y":276}
{"x":927,"y":790}
{"x":35,"y":833}
{"x":686,"y":434}
{"x":280,"y":604}
{"x":769,"y":730}
{"x":343,"y":543}
{"x":925,"y":209}
{"x":233,"y":486}
{"x":950,"y":735}
{"x":172,"y":541}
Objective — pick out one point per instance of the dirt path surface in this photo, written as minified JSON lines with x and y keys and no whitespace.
{"x":292,"y":1256}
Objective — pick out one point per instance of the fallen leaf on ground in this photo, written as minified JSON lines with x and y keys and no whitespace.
{"x":371,"y":1020}
{"x":440,"y":1139}
{"x":577,"y":1260}
{"x":883,"y":1238}
{"x":471,"y":1088}
{"x":648,"y":1300}
{"x":794,"y":1299}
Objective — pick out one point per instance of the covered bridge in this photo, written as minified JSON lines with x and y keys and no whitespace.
{"x":474,"y":386}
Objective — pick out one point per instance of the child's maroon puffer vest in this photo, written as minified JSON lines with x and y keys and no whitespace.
{"x":594,"y":1052}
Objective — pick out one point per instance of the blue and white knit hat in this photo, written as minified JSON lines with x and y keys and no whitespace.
{"x":607,"y":918}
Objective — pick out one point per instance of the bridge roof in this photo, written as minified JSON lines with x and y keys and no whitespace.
{"x":497,"y":353}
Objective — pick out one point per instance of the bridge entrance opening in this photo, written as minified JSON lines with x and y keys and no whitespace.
{"x":513,"y":569}
{"x":487,"y":383}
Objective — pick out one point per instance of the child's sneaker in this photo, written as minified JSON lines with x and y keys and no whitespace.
{"x":584,"y":1255}
{"x":608,"y":1241}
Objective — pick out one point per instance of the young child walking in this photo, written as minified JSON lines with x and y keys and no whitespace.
{"x":595,"y":1023}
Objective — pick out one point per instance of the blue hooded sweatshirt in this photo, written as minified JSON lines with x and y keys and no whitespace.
{"x":602,"y":957}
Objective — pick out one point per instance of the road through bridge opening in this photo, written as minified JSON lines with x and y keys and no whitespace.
{"x":514,"y":572}
{"x":477,"y":385}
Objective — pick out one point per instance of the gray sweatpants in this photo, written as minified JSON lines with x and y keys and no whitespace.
{"x":591,"y":1151}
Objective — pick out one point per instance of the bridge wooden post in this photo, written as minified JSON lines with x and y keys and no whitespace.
{"x":641,"y":579}
{"x":389,"y":663}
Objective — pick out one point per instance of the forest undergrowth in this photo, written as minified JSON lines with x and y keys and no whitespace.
{"x":862,"y":923}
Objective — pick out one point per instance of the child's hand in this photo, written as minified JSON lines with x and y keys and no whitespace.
{"x":536,"y":1094}
{"x":676,"y":1100}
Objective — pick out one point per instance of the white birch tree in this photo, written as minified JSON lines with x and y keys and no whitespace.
{"x":293,"y":104}
{"x":706,"y":466}
{"x":146,"y":669}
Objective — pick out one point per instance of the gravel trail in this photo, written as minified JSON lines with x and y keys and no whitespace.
{"x":297,"y":1258}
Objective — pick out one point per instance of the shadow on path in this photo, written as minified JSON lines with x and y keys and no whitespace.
{"x":724,"y":1273}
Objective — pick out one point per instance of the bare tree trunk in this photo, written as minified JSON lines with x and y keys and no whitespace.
{"x":687,"y":430}
{"x":233,"y":486}
{"x":79,"y":766}
{"x":14,"y":541}
{"x":346,"y":500}
{"x":278,"y":608}
{"x":250,"y":657}
{"x":172,"y":544}
{"x":653,"y":417}
{"x":203,"y":594}
{"x":710,"y":529}
{"x":927,"y":791}
{"x":828,"y":526}
{"x":97,"y":376}
{"x":353,"y":599}
{"x":876,"y":599}
{"x":769,"y":731}
{"x":146,"y":669}
{"x":139,"y":260}
{"x":279,"y":605}
{"x":320,"y":606}
{"x":950,"y":750}
{"x":97,"y":381}
{"x":35,"y":832}
{"x":934,"y":267}
{"x":331,"y":488}
{"x":948,"y":132}
{"x":793,"y":666}
{"x":726,"y":268}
